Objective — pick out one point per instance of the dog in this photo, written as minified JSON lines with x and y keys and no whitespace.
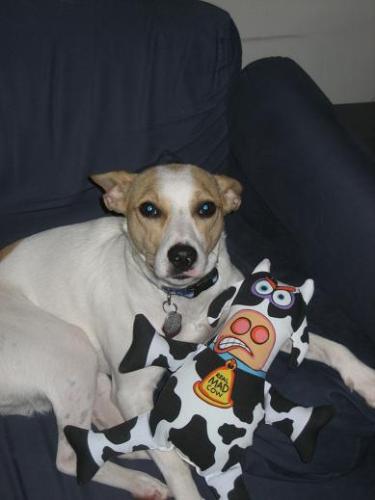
{"x":68,"y":297}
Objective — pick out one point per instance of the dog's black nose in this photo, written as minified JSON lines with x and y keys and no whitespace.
{"x":182,"y":257}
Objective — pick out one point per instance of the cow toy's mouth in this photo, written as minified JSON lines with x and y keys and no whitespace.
{"x":228,"y":343}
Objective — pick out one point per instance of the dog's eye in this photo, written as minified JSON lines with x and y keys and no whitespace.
{"x":206,"y":209}
{"x":148,"y":209}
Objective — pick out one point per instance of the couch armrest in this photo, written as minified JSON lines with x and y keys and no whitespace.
{"x":313,"y":177}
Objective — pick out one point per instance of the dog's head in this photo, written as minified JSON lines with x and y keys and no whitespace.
{"x":175,"y":216}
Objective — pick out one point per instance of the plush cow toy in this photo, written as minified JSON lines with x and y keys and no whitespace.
{"x":217,"y":394}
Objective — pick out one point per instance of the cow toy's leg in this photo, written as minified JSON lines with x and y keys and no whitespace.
{"x":149,"y":348}
{"x":301,"y":424}
{"x":94,"y":448}
{"x":228,"y":485}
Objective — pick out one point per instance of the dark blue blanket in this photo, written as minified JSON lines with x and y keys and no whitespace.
{"x":93,"y":85}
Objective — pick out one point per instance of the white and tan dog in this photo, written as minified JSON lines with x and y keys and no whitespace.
{"x":68,"y":297}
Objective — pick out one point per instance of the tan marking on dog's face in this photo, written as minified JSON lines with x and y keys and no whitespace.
{"x":8,"y":250}
{"x":124,"y":194}
{"x":206,"y":189}
{"x":224,"y":192}
{"x":147,"y":233}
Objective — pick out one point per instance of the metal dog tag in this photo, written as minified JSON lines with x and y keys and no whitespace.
{"x":172,"y":324}
{"x":173,"y":320}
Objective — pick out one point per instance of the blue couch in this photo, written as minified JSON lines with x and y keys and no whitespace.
{"x":88,"y":86}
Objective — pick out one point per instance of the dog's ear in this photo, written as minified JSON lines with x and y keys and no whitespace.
{"x":221,"y":302}
{"x":116,"y":187}
{"x":230,"y":191}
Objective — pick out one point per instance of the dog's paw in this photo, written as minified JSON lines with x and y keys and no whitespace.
{"x":149,"y":488}
{"x":361,"y":379}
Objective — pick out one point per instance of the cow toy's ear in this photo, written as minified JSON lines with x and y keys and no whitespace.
{"x":307,"y":290}
{"x":263,"y":266}
{"x":216,"y":307}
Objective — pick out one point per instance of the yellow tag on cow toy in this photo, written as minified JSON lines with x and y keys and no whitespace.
{"x":216,"y":387}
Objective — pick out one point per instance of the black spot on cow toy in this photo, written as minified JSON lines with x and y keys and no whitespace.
{"x":217,"y":395}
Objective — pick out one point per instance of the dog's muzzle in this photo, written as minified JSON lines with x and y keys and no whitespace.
{"x":182,"y":257}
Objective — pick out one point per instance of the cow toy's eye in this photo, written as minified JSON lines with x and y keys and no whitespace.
{"x":262,"y":288}
{"x":283,"y":298}
{"x":260,"y":335}
{"x":148,"y":209}
{"x":240,"y":326}
{"x":206,"y":209}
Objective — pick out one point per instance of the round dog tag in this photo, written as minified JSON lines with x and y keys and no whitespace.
{"x":172,"y":324}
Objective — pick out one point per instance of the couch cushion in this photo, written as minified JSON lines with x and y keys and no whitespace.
{"x":87,"y":87}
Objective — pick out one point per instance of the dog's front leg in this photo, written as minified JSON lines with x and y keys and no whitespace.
{"x":356,"y":375}
{"x":134,"y":396}
{"x":63,"y":366}
{"x":133,"y":392}
{"x":177,"y":474}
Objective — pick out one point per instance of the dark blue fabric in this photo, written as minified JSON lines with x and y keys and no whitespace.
{"x":27,"y":464}
{"x":313,"y":178}
{"x":343,"y":464}
{"x":302,"y":173}
{"x":93,"y":85}
{"x":88,"y":86}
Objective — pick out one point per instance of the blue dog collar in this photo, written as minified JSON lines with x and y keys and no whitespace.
{"x":192,"y":291}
